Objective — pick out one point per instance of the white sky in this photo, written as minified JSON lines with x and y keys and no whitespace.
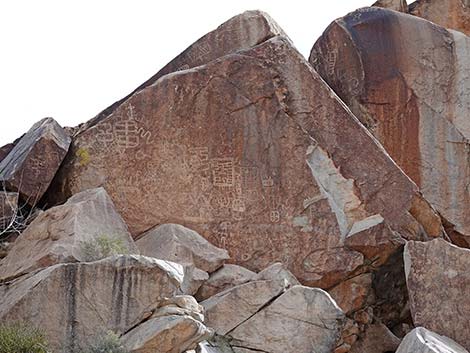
{"x":71,"y":59}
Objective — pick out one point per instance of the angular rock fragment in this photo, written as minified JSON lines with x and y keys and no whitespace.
{"x":438,"y":286}
{"x":225,"y":277}
{"x":352,"y":294}
{"x":71,"y":302}
{"x":8,"y":209}
{"x":376,"y":339}
{"x":301,"y":320}
{"x":228,"y":309}
{"x":454,"y":14}
{"x":411,"y":92}
{"x":166,"y":334}
{"x":33,"y":162}
{"x":176,"y":243}
{"x":373,"y":238}
{"x":85,"y":228}
{"x":421,"y":340}
{"x":254,"y":152}
{"x":277,"y":271}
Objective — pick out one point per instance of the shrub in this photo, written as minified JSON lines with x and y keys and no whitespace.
{"x":101,"y":247}
{"x":21,"y":338}
{"x":106,"y":343}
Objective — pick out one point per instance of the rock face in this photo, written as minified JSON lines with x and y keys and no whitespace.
{"x":68,"y":233}
{"x":421,"y":340}
{"x":71,"y":302}
{"x":396,"y":5}
{"x":412,"y":93}
{"x":437,"y":281}
{"x":8,"y":209}
{"x":240,"y":32}
{"x":31,"y":165}
{"x":454,"y":14}
{"x":176,"y":243}
{"x":300,"y":320}
{"x":258,"y":166}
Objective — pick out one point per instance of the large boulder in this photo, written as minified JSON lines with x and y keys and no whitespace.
{"x":300,"y":320}
{"x":72,"y":302}
{"x":33,"y":162}
{"x":421,"y":340}
{"x":454,"y":14}
{"x":79,"y":230}
{"x":179,"y":244}
{"x":411,"y":91}
{"x":254,"y":152}
{"x":438,"y":285}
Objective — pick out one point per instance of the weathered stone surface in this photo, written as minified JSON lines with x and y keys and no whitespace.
{"x":377,"y":339}
{"x":228,"y":309}
{"x":176,"y":243}
{"x":396,"y":5}
{"x":454,"y":14}
{"x":8,"y":209}
{"x":4,"y":150}
{"x":277,"y":271}
{"x":374,"y":239}
{"x":301,"y":320}
{"x":194,"y":278}
{"x":412,"y":93}
{"x":61,"y":234}
{"x":225,"y":277}
{"x":438,"y":286}
{"x":258,"y":166}
{"x":240,"y":32}
{"x":166,"y":334}
{"x":31,"y":165}
{"x":352,"y":294}
{"x":71,"y":302}
{"x":421,"y":340}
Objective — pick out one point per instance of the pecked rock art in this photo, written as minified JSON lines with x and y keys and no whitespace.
{"x":412,"y":92}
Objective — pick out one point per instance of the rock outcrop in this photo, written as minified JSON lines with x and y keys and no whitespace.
{"x":438,"y":283}
{"x":72,"y":302}
{"x":421,"y":340}
{"x":33,"y":162}
{"x":411,"y":91}
{"x":454,"y":14}
{"x":258,"y":166}
{"x":74,"y":231}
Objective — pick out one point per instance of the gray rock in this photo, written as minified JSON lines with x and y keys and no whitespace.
{"x":421,"y":340}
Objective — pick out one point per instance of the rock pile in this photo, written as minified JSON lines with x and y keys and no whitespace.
{"x":247,"y":200}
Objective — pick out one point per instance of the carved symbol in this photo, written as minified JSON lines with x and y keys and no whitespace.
{"x":126,"y":134}
{"x":222,"y":172}
{"x":199,"y":159}
{"x":267,"y":181}
{"x":249,"y":177}
{"x":105,"y":133}
{"x":331,"y":58}
{"x":238,"y":205}
{"x":183,"y":67}
{"x":274,"y":216}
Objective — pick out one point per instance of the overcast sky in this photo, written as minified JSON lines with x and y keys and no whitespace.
{"x":71,"y":59}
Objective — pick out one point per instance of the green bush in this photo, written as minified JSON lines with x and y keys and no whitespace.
{"x":106,"y":343}
{"x":21,"y":338}
{"x":102,"y":247}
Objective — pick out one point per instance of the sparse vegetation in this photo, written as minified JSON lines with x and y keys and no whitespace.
{"x":106,"y":343}
{"x":101,"y":247}
{"x":22,"y":338}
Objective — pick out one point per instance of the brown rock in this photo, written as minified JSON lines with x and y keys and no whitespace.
{"x":373,"y":238}
{"x":396,"y":5}
{"x":438,"y":285}
{"x":352,"y":294}
{"x":179,"y":244}
{"x":4,"y":150}
{"x":248,"y":152}
{"x":412,"y":93}
{"x":225,"y":277}
{"x":240,"y":32}
{"x":72,"y":302}
{"x":8,"y":209}
{"x":454,"y":14}
{"x":376,"y":339}
{"x":68,"y":233}
{"x":31,"y":165}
